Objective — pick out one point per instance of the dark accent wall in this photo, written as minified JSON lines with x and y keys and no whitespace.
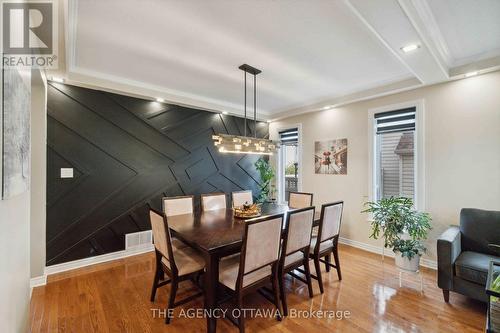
{"x":127,"y":153}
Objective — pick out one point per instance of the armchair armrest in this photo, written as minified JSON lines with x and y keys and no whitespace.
{"x":448,"y":249}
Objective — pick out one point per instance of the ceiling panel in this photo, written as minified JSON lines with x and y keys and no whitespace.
{"x":470,"y":28}
{"x":307,"y":50}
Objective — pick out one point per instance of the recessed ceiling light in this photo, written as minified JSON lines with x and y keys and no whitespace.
{"x":410,"y":47}
{"x":327,"y":107}
{"x":57,"y":79}
{"x":471,"y":74}
{"x":225,"y":112}
{"x":160,"y":100}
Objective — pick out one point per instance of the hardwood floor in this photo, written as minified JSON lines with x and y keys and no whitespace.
{"x":114,"y":297}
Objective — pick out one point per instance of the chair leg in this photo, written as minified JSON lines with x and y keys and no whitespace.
{"x":156,"y":279}
{"x":171,"y":299}
{"x":241,"y":320}
{"x":318,"y":273}
{"x":308,"y":275}
{"x":282,"y":294}
{"x":337,"y":261}
{"x":446,"y":295}
{"x":328,"y":260}
{"x":276,"y":293}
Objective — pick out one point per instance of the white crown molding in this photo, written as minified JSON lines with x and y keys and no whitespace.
{"x":380,"y":91}
{"x":80,"y":76}
{"x":482,"y":66}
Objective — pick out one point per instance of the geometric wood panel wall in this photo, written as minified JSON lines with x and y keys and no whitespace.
{"x":127,"y":153}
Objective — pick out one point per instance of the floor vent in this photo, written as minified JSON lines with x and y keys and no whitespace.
{"x":137,"y":240}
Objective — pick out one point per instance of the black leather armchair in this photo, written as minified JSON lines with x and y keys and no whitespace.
{"x":464,"y":253}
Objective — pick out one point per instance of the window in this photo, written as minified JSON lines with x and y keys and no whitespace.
{"x":288,"y":172}
{"x":395,"y":157}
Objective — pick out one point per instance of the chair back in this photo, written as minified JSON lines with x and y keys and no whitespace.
{"x":300,"y":200}
{"x":162,"y":239}
{"x":331,"y":217}
{"x":242,"y":197}
{"x":178,"y":205}
{"x":298,"y":230}
{"x":261,"y":245}
{"x":479,"y":230}
{"x":213,"y":201}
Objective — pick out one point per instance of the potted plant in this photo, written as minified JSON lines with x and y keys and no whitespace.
{"x":402,"y":227}
{"x":266,"y":176}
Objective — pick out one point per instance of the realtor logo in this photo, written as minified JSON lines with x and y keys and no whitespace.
{"x":29,"y":37}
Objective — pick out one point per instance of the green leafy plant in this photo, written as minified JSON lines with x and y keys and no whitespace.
{"x":408,"y":248}
{"x":266,"y":176}
{"x":395,"y":217}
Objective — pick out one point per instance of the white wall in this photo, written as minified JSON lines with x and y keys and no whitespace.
{"x":15,"y":258}
{"x":462,"y":153}
{"x":38,"y":172}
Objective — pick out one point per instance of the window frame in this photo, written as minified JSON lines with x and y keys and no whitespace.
{"x":419,"y":155}
{"x":280,"y":172}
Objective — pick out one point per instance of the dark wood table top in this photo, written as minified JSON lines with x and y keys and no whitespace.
{"x":213,"y":230}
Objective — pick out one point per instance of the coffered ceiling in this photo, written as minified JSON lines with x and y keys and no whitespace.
{"x":313,"y":54}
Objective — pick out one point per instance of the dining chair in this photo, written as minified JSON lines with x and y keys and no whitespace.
{"x":256,"y":266}
{"x":242,"y":197}
{"x":212,"y":201}
{"x":178,"y":263}
{"x":326,"y":242}
{"x":300,"y":200}
{"x":295,"y":250}
{"x":178,"y":205}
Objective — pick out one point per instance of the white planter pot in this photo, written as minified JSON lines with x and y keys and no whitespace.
{"x":407,"y":264}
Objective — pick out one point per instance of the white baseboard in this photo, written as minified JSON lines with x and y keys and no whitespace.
{"x":38,"y":281}
{"x":378,"y":250}
{"x":67,"y":266}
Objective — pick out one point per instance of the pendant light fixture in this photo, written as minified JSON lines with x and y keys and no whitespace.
{"x":245,"y":144}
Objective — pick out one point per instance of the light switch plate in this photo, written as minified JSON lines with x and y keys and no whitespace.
{"x":66,"y":172}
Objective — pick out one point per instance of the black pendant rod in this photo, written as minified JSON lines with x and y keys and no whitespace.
{"x":254,"y":71}
{"x":254,"y":107}
{"x":245,"y":103}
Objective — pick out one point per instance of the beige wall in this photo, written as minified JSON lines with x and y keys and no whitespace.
{"x":462,"y":152}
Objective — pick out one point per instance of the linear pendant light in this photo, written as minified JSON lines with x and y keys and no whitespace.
{"x":244,"y":144}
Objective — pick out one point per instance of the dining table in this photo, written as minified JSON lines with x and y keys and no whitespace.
{"x":216,"y":234}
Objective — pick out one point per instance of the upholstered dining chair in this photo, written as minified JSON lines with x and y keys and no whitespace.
{"x":257,"y":264}
{"x":212,"y":201}
{"x":242,"y":197}
{"x":326,"y":243}
{"x":178,"y":263}
{"x":300,"y":200}
{"x":295,"y":250}
{"x":178,"y":205}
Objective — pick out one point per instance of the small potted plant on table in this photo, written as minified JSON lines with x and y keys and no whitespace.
{"x":402,"y":227}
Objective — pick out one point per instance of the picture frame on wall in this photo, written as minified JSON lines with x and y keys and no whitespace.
{"x":15,"y":132}
{"x":330,"y":157}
